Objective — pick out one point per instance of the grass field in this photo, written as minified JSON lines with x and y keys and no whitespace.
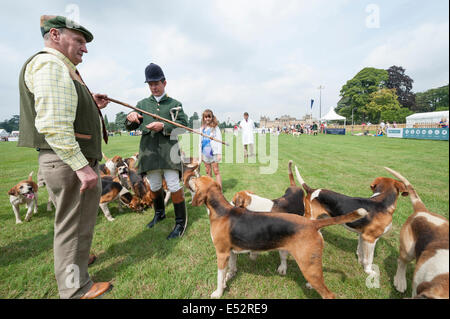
{"x":141,"y":263}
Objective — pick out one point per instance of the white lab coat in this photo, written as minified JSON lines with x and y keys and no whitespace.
{"x":247,"y":131}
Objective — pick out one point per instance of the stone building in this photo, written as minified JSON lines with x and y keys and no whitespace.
{"x":284,"y":121}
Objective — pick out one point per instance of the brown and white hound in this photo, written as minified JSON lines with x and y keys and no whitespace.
{"x":112,"y":191}
{"x":291,"y":203}
{"x":380,"y":207}
{"x":24,"y":192}
{"x":423,"y":237}
{"x":235,"y":230}
{"x":113,"y":163}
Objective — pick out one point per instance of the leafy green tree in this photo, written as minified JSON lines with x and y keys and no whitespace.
{"x":381,"y":101}
{"x":402,"y":83}
{"x":120,"y":121}
{"x":11,"y":125}
{"x":432,"y":99}
{"x":398,"y":116}
{"x":193,"y":118}
{"x":356,"y":92}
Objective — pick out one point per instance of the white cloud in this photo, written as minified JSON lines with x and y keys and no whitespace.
{"x":423,"y":52}
{"x":170,"y":46}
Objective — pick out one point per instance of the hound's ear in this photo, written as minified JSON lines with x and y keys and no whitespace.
{"x":237,"y":200}
{"x":13,"y":191}
{"x":247,"y":200}
{"x":35,"y":187}
{"x":199,"y":198}
{"x":373,"y":186}
{"x":401,"y":188}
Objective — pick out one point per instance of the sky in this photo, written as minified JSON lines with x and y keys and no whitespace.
{"x":264,"y":57}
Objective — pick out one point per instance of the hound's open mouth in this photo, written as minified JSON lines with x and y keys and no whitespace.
{"x":29,"y":195}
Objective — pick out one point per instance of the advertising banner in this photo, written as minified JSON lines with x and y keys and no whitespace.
{"x":338,"y":131}
{"x":395,"y":132}
{"x":426,"y":133}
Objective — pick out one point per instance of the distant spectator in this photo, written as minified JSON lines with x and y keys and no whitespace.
{"x":247,"y":125}
{"x":314,"y":128}
{"x":443,"y":123}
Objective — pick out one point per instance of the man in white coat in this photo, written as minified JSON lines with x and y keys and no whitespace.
{"x":247,"y":125}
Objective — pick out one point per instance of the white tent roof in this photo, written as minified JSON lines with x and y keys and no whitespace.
{"x":3,"y":132}
{"x":428,"y":115}
{"x":332,"y":116}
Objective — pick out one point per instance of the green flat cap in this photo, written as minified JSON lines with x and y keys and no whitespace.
{"x":58,"y":22}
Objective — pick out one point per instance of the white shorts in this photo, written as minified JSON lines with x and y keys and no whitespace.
{"x":209,"y":160}
{"x":171,"y":176}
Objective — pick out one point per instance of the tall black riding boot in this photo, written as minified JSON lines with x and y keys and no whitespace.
{"x":179,"y":206}
{"x":160,"y":210}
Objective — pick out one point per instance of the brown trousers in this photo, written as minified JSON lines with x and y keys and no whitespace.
{"x":75,"y":219}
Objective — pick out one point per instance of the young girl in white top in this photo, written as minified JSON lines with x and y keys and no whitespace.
{"x":211,"y":151}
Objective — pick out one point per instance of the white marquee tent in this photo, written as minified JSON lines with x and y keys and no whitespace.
{"x":333,"y":116}
{"x":428,"y":117}
{"x":3,"y":133}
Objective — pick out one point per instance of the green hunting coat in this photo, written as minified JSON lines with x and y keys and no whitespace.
{"x":159,"y":150}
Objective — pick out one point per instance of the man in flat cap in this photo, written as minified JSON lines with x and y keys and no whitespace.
{"x":61,"y":119}
{"x":158,"y":150}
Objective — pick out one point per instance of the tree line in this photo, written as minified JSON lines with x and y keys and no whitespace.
{"x":375,"y":95}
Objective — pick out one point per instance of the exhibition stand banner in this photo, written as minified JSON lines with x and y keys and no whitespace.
{"x":338,"y":131}
{"x":419,"y":133}
{"x":395,"y":132}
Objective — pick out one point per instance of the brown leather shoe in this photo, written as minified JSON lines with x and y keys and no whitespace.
{"x":97,"y":289}
{"x":92,"y":259}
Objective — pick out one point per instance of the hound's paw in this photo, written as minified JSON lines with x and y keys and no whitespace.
{"x":216,"y":294}
{"x":282,"y":270}
{"x":111,"y":219}
{"x":400,"y":283}
{"x":308,"y":285}
{"x":18,"y":221}
{"x":368,"y":270}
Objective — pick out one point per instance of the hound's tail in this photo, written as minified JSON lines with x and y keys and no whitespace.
{"x":30,"y":176}
{"x":104,"y":156}
{"x":291,"y":176}
{"x":417,"y":203}
{"x":348,"y":218}
{"x":302,"y":182}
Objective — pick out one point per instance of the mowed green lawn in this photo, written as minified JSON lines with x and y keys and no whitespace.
{"x":141,"y":263}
